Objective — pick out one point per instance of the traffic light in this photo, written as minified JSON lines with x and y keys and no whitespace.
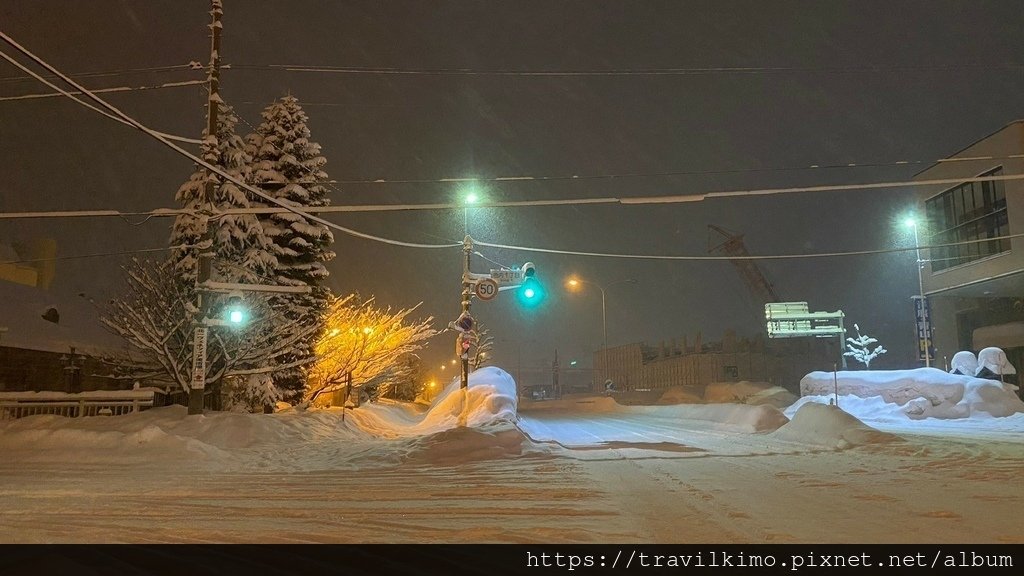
{"x":531,"y":291}
{"x":236,"y":312}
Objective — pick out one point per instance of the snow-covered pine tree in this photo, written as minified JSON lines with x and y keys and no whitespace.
{"x":288,"y":165}
{"x":242,"y":251}
{"x":859,"y":348}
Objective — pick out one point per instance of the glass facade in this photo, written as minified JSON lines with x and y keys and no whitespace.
{"x":970,"y":211}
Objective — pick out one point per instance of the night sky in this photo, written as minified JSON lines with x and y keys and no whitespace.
{"x":833,"y":83}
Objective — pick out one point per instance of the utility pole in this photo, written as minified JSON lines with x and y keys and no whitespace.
{"x":205,"y":262}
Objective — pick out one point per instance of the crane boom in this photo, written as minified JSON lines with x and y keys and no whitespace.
{"x":733,"y":246}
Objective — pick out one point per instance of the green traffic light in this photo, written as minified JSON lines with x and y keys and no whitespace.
{"x":531,"y":292}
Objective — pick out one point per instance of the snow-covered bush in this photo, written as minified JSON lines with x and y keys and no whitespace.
{"x":860,"y":348}
{"x":250,"y":393}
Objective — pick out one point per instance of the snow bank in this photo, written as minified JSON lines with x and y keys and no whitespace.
{"x":749,"y":393}
{"x":464,"y":444}
{"x":681,"y":395}
{"x":829,"y":426}
{"x":740,"y":417}
{"x":103,"y":439}
{"x":489,"y":398}
{"x":922,"y":393}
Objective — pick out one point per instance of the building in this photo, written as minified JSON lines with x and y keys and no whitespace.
{"x":973,"y":274}
{"x":640,"y":366}
{"x":49,"y":343}
{"x":31,"y":264}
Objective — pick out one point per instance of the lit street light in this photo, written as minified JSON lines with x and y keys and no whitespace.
{"x":471,"y":198}
{"x":925,"y":316}
{"x":574,"y":283}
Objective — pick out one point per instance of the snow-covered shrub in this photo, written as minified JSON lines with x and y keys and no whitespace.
{"x":860,"y":348}
{"x":250,"y":393}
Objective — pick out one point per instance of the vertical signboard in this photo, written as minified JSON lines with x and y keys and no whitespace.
{"x":922,"y":313}
{"x":199,"y":358}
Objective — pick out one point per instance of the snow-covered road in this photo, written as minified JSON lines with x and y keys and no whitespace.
{"x":584,"y":471}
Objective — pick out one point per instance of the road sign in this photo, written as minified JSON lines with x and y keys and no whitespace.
{"x":795,"y":320}
{"x":507,"y":276}
{"x":486,"y":289}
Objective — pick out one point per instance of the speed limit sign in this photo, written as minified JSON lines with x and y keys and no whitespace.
{"x":486,"y":289}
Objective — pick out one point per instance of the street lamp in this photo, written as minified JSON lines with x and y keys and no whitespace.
{"x":471,"y":198}
{"x":925,"y":316}
{"x":573,"y":283}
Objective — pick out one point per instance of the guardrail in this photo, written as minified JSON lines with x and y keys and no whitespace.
{"x":14,"y":406}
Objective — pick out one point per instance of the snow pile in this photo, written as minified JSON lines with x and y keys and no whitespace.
{"x":829,"y":426}
{"x":490,"y":397}
{"x":681,"y":395}
{"x":102,"y":439}
{"x":922,"y":393}
{"x":739,"y":417}
{"x":464,"y":444}
{"x":749,"y":393}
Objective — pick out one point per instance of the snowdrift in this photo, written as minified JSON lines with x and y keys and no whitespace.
{"x":738,"y":417}
{"x":289,"y":440}
{"x":749,"y":393}
{"x":829,"y":426}
{"x":921,"y":393}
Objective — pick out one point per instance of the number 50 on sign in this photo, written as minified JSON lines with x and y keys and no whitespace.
{"x":486,"y":289}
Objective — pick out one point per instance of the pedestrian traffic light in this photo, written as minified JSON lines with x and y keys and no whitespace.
{"x":531,"y":291}
{"x":236,"y":311}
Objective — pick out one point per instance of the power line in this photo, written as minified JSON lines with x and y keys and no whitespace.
{"x":86,"y":104}
{"x":626,"y":200}
{"x":672,"y":173}
{"x":160,"y":137}
{"x":98,"y":255}
{"x":595,"y":254}
{"x":640,"y":200}
{"x":104,"y":90}
{"x":121,"y":72}
{"x":682,"y":71}
{"x":747,"y":257}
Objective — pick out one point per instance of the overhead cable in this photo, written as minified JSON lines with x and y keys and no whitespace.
{"x":207,"y":165}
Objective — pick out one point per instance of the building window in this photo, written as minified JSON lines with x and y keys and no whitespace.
{"x":970,"y":211}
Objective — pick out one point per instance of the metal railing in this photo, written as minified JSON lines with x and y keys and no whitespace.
{"x":71,"y":407}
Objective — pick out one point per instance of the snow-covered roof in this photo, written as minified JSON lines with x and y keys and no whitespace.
{"x":21,"y":313}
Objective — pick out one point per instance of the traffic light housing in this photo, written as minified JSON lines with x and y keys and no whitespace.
{"x":531,"y":291}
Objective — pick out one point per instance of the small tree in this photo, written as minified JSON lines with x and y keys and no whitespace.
{"x":860,"y":348}
{"x":155,"y":317}
{"x":482,"y":344}
{"x":367,"y":342}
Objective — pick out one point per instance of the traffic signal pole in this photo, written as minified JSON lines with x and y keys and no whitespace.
{"x":485,"y":287}
{"x":467,"y":295}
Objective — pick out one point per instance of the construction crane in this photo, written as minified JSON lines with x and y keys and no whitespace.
{"x":733,"y":246}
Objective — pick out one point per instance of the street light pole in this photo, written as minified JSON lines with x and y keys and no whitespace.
{"x":604,"y":317}
{"x":925,"y":316}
